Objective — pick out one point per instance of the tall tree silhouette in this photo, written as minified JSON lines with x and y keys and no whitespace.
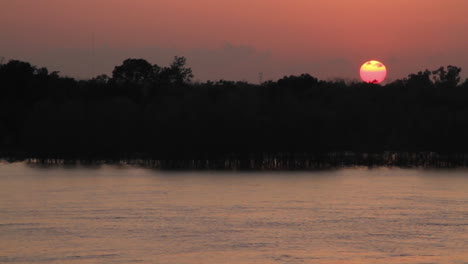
{"x":135,"y":71}
{"x":447,"y":78}
{"x":177,"y":72}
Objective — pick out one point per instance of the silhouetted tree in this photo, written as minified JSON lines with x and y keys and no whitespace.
{"x":135,"y":71}
{"x":298,"y":82}
{"x":157,"y":112}
{"x":420,"y":80}
{"x":447,"y":78}
{"x":177,"y":72}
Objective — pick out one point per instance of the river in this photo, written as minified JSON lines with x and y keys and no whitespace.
{"x":124,"y":214}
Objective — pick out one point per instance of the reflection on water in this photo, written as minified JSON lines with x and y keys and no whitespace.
{"x":132,"y":215}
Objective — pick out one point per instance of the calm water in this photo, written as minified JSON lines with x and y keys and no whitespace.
{"x":132,"y":215}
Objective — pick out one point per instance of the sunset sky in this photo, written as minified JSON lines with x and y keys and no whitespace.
{"x":237,"y":39}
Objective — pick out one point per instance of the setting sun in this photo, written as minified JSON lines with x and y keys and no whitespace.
{"x":373,"y":72}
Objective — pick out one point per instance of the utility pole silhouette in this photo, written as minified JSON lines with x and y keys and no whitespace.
{"x":260,"y":77}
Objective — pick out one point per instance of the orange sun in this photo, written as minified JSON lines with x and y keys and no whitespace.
{"x":373,"y":72}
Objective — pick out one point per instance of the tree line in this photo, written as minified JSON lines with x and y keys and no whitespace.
{"x":159,"y":113}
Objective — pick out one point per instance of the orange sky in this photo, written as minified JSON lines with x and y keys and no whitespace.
{"x":237,"y":39}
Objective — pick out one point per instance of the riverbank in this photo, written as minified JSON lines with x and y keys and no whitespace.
{"x":255,"y":161}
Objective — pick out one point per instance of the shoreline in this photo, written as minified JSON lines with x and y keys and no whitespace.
{"x":258,"y":161}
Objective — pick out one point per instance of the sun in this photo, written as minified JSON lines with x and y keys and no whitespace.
{"x":373,"y":72}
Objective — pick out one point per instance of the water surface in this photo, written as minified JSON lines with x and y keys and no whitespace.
{"x":118,"y":214}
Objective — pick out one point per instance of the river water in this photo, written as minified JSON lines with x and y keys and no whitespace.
{"x":119,"y":214}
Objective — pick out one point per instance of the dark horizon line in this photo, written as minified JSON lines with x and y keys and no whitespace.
{"x":347,"y":80}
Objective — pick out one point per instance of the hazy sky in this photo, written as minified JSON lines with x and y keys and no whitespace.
{"x":237,"y":39}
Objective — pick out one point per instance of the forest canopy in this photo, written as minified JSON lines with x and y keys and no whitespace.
{"x":158,"y":112}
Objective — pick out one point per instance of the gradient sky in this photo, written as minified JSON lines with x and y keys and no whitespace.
{"x":237,"y":39}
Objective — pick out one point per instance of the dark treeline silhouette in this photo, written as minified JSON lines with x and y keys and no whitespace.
{"x":157,"y":114}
